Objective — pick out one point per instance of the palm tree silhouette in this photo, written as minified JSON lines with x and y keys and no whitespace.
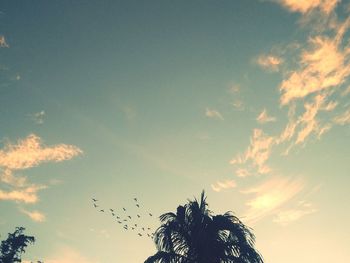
{"x":195,"y":235}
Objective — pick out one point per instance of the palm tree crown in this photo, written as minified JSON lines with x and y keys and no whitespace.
{"x":194,"y":235}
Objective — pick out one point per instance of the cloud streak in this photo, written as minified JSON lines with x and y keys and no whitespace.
{"x":271,"y":195}
{"x":214,"y":114}
{"x":34,"y":215}
{"x":219,"y":186}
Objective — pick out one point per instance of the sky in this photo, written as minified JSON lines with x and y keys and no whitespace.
{"x":159,"y":100}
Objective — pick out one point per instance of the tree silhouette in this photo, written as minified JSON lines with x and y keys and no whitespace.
{"x":194,"y":235}
{"x":12,"y":248}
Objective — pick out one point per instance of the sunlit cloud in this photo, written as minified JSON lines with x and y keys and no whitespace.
{"x":34,"y":215}
{"x":258,"y":151}
{"x":8,"y":178}
{"x":343,"y":118}
{"x":305,"y":6}
{"x":67,"y":254}
{"x":211,"y":113}
{"x":26,"y":195}
{"x":323,"y":66}
{"x":30,"y":152}
{"x":263,"y":117}
{"x":241,"y":172}
{"x":271,"y":195}
{"x":238,"y":105}
{"x":219,"y":186}
{"x":3,"y":42}
{"x":269,"y":62}
{"x":288,"y":216}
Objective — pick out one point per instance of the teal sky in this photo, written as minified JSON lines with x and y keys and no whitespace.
{"x":248,"y":100}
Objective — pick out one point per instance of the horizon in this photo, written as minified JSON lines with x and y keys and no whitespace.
{"x":159,"y":100}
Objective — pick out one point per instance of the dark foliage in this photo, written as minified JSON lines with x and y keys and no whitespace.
{"x":194,"y":235}
{"x":12,"y":248}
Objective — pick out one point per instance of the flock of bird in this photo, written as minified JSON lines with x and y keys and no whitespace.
{"x":126,"y":220}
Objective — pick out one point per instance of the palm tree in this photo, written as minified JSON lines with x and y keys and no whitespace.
{"x":194,"y":235}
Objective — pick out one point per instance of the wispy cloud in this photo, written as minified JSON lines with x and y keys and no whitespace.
{"x":31,"y":152}
{"x":322,"y":66}
{"x":288,"y":216}
{"x":263,"y":117}
{"x":3,"y":42}
{"x":222,"y":185}
{"x":343,"y":118}
{"x":242,"y":172}
{"x":67,"y":254}
{"x":269,"y":62}
{"x":34,"y":215}
{"x":28,"y":153}
{"x":38,"y":117}
{"x":258,"y":151}
{"x":306,"y":6}
{"x":271,"y":195}
{"x":27,"y":194}
{"x":214,"y":114}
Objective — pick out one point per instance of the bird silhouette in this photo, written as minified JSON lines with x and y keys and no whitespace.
{"x":150,"y":214}
{"x":138,"y":216}
{"x":140,"y":234}
{"x":124,"y":209}
{"x":102,"y":210}
{"x":148,"y":228}
{"x":135,"y":199}
{"x":136,"y":225}
{"x":93,"y":199}
{"x":132,"y":228}
{"x":125,"y":220}
{"x":95,"y":205}
{"x":113,"y":214}
{"x":118,"y":217}
{"x":138,"y":205}
{"x":120,"y":222}
{"x":111,"y":210}
{"x":129,"y":217}
{"x":143,"y":229}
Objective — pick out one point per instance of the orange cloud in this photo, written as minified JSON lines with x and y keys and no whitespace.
{"x":219,"y":186}
{"x":269,"y":62}
{"x":305,"y":6}
{"x":30,"y":152}
{"x":288,"y":216}
{"x":263,"y":117}
{"x":322,"y":67}
{"x":25,"y":195}
{"x":211,"y":113}
{"x":343,"y":118}
{"x":3,"y":42}
{"x":258,"y":151}
{"x":35,"y":215}
{"x":271,"y":195}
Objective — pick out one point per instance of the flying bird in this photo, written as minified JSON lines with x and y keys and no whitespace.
{"x":136,"y":225}
{"x":132,"y":228}
{"x":95,"y":205}
{"x":140,"y":234}
{"x":138,"y":205}
{"x":118,"y":217}
{"x":138,"y":216}
{"x":143,"y":229}
{"x":113,"y":214}
{"x":148,"y":228}
{"x":129,"y":217}
{"x":102,"y":210}
{"x":150,"y":214}
{"x":124,"y":209}
{"x":119,"y":222}
{"x":111,"y":210}
{"x":95,"y":200}
{"x":135,"y":199}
